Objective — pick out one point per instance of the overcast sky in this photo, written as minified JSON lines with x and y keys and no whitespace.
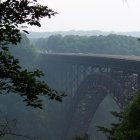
{"x":105,"y":15}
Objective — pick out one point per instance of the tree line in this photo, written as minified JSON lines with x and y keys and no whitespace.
{"x":111,"y":44}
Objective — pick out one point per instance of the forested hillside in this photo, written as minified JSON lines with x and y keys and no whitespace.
{"x":111,"y":44}
{"x":34,"y":35}
{"x":24,"y":51}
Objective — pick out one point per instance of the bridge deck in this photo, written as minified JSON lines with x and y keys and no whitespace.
{"x":131,"y":63}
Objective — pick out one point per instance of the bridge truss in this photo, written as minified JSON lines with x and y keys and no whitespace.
{"x":88,"y":80}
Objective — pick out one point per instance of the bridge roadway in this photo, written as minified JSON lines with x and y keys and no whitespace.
{"x":115,"y":61}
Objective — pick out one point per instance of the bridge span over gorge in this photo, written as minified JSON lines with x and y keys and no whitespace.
{"x":87,"y":79}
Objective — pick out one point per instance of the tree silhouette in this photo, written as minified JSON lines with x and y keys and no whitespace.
{"x":15,"y":15}
{"x":84,"y":137}
{"x":128,"y":127}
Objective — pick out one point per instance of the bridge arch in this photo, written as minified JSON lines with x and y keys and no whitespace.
{"x":91,"y":92}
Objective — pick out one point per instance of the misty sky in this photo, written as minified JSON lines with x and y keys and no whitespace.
{"x":105,"y":15}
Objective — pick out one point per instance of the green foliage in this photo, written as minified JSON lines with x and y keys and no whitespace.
{"x":128,"y":127}
{"x":84,"y":137}
{"x":14,"y":14}
{"x":13,"y":79}
{"x":111,"y":44}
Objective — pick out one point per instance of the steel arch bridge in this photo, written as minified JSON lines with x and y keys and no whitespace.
{"x":87,"y":79}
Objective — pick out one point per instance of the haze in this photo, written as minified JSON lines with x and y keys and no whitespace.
{"x":105,"y":15}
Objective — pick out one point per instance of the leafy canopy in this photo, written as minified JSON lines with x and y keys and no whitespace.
{"x":128,"y":127}
{"x":14,"y":16}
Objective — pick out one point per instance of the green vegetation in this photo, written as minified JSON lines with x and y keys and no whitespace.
{"x":22,"y":49}
{"x":111,"y":44}
{"x":84,"y":137}
{"x":35,"y":35}
{"x":128,"y":127}
{"x":14,"y":78}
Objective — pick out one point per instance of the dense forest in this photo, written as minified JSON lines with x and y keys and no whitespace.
{"x":34,"y":35}
{"x":22,"y":49}
{"x":111,"y":44}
